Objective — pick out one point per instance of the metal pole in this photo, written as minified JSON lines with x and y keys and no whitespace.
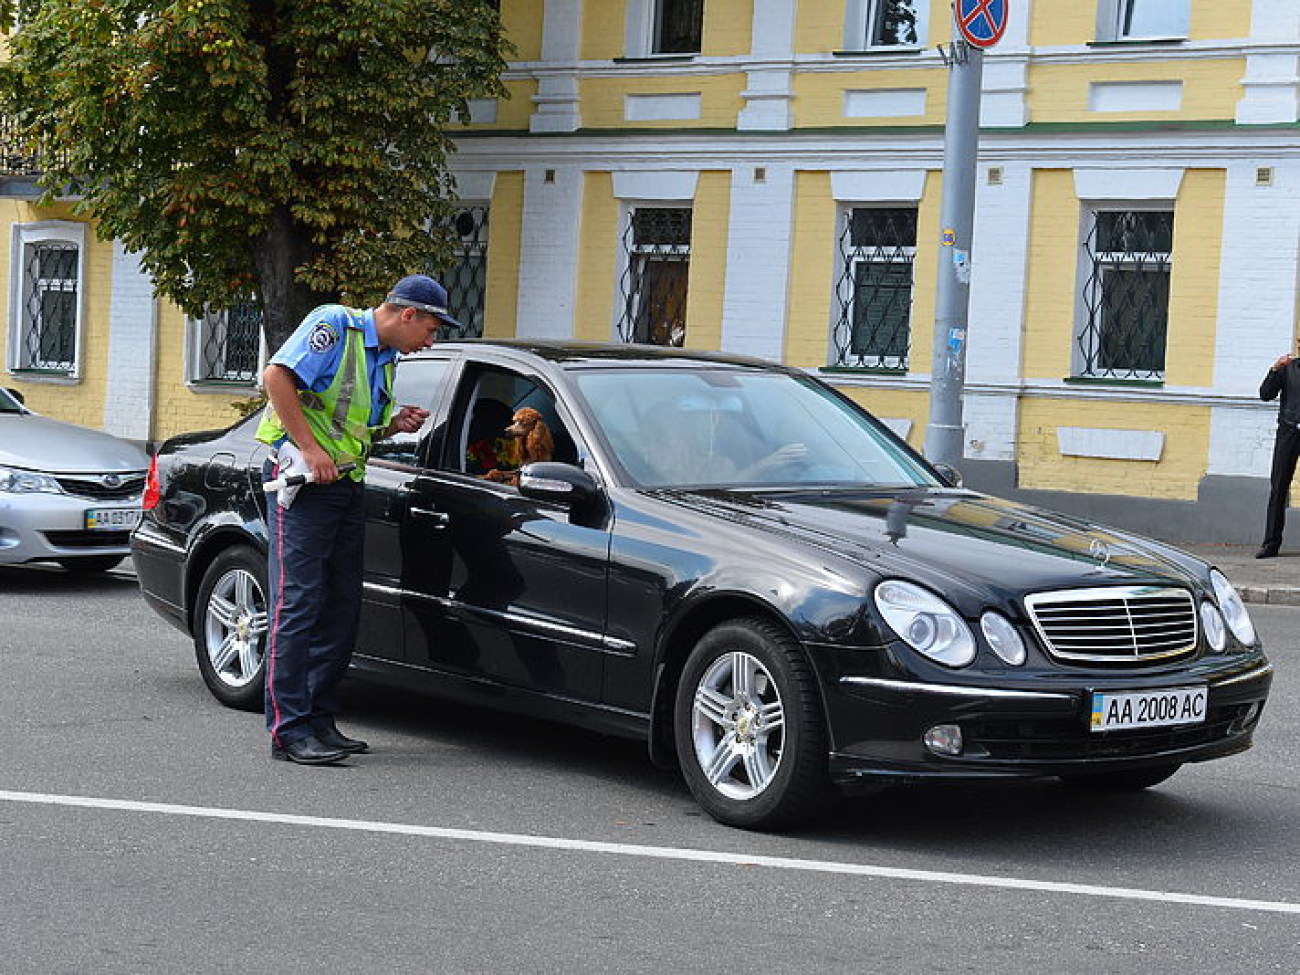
{"x":945,"y":434}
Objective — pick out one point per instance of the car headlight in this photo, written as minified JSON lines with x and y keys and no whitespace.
{"x":1233,"y":609}
{"x":1215,"y":633}
{"x":15,"y":480}
{"x":926,"y":623}
{"x":1003,"y":638}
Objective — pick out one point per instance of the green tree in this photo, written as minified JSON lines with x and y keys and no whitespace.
{"x":292,"y":149}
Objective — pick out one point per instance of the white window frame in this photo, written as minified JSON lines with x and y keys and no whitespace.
{"x":1111,"y":15}
{"x":859,"y":15}
{"x":1087,"y":228}
{"x":24,"y":237}
{"x":196,"y":338}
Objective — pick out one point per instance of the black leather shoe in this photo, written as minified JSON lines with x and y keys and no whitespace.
{"x":1267,"y":552}
{"x":331,"y":737}
{"x":309,"y":750}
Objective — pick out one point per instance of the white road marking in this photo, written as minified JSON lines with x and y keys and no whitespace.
{"x":654,"y":852}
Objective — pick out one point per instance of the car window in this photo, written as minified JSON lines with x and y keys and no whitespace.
{"x":9,"y":403}
{"x":487,"y":442}
{"x":418,"y":382}
{"x":735,"y":428}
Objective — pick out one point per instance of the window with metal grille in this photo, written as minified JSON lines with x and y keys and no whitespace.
{"x":228,"y":345}
{"x":874,"y":291}
{"x":466,"y":278}
{"x":678,"y":26}
{"x":657,"y":242}
{"x":48,"y":338}
{"x":1127,"y":255}
{"x":1137,"y":19}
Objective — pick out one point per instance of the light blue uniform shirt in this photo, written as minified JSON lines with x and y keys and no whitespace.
{"x":315,"y":349}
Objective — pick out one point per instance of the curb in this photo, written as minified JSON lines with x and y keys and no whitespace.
{"x":1273,"y":595}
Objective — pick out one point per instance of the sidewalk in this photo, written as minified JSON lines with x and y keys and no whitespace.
{"x":1275,"y":581}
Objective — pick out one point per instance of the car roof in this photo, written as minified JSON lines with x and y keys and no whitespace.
{"x":571,"y":353}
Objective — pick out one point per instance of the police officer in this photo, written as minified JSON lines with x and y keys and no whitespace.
{"x":1282,"y":377}
{"x":330,"y":390}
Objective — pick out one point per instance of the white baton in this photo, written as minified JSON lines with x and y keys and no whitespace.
{"x":291,"y":480}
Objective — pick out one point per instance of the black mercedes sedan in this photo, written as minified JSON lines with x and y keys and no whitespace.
{"x":736,"y":563}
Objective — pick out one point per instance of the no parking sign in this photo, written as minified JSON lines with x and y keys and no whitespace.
{"x":982,"y":22}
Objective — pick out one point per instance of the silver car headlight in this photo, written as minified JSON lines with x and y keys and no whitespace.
{"x":1216,"y":635}
{"x":1233,"y":608}
{"x":15,"y":480}
{"x":1003,"y":638}
{"x":925,"y":622}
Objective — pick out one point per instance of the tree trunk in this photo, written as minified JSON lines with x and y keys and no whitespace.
{"x":285,"y":302}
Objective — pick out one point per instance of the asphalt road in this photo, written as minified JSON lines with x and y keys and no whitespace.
{"x":144,"y":828}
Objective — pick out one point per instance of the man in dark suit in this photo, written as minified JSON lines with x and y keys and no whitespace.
{"x":1283,"y":377}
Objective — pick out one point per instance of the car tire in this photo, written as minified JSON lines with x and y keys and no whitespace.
{"x":753,"y":750}
{"x":230,"y":628}
{"x":91,"y":563}
{"x":1128,"y":780}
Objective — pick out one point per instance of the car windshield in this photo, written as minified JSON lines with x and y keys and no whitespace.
{"x":712,"y":427}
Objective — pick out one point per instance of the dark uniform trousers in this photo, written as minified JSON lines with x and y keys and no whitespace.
{"x":315,"y":567}
{"x":1286,"y":448}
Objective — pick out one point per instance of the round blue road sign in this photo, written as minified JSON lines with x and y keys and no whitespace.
{"x":982,"y":22}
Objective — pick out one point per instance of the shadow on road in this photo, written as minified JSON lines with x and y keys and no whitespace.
{"x":37,"y":578}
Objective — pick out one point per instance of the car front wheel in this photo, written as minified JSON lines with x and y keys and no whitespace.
{"x":748,"y":727}
{"x":230,"y":629}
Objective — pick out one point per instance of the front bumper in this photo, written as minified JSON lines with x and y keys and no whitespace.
{"x":877,"y":723}
{"x":50,"y":527}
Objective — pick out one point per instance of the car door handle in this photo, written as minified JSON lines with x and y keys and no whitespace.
{"x":438,"y":519}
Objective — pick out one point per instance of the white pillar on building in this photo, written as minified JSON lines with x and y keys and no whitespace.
{"x":557,"y":84}
{"x":758,"y":260}
{"x":769,"y":92}
{"x":132,"y":325}
{"x":548,"y":259}
{"x":1272,"y":80}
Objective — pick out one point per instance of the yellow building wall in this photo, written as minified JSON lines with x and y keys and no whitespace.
{"x":179,"y":408}
{"x":1051,"y":275}
{"x":925,"y":275}
{"x":1211,"y":89}
{"x":513,"y":113}
{"x":1055,"y":24}
{"x":79,"y":401}
{"x":720,"y":101}
{"x":812,"y":269}
{"x":1175,"y":476}
{"x":1194,"y":281}
{"x":819,"y":97}
{"x":604,"y":28}
{"x":597,"y":254}
{"x":708,"y":275}
{"x":501,"y":309}
{"x":521,"y":21}
{"x":728,"y":28}
{"x":819,"y":25}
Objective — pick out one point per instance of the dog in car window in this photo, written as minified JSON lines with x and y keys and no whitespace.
{"x":535,"y":443}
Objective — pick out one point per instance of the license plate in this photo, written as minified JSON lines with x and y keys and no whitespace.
{"x":112,"y":519}
{"x":1148,"y":709}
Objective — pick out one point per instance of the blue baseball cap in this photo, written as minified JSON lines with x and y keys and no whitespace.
{"x":422,"y":292}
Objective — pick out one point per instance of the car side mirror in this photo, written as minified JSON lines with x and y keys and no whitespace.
{"x":948,"y":474}
{"x":558,"y":483}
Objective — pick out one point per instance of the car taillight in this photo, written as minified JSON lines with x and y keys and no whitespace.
{"x":152,"y":494}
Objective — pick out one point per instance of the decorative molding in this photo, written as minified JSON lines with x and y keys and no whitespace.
{"x":878,"y":185}
{"x":884,"y":103}
{"x":1120,"y":183}
{"x":659,"y":184}
{"x":1110,"y":444}
{"x":1135,"y":96}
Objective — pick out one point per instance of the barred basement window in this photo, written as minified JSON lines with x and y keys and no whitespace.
{"x":1126,"y":294}
{"x":678,"y":26}
{"x":874,"y":292}
{"x":466,"y":278}
{"x":228,"y":345}
{"x":49,"y":306}
{"x":657,"y":241}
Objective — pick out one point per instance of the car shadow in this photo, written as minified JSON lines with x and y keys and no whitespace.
{"x":36,"y":578}
{"x":1008,"y":823}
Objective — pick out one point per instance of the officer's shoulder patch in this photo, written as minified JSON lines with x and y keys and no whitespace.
{"x":322,"y":337}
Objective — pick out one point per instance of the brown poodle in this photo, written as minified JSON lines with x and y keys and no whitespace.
{"x":535,"y":441}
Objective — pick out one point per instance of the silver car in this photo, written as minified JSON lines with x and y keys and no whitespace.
{"x":67,"y":494}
